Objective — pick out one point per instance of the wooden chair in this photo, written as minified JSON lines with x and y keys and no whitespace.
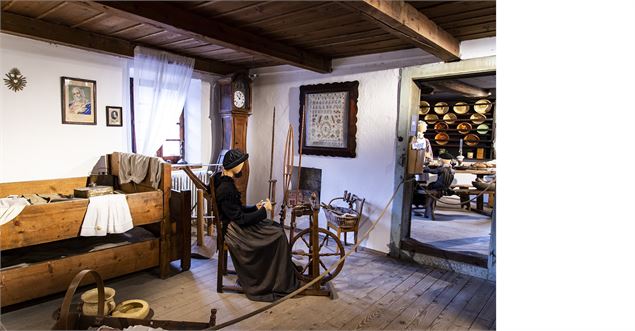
{"x":222,"y":269}
{"x":345,"y":219}
{"x":210,"y":195}
{"x":432,"y":195}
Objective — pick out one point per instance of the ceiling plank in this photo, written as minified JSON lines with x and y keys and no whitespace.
{"x":405,"y":21}
{"x":178,"y":20}
{"x":37,"y":29}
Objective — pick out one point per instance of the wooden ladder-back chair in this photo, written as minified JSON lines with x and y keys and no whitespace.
{"x":210,"y":195}
{"x":222,"y":269}
{"x":345,"y":219}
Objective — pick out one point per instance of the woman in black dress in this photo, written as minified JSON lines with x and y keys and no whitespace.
{"x":258,"y":246}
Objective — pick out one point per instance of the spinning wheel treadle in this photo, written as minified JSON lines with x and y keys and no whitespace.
{"x":301,"y":249}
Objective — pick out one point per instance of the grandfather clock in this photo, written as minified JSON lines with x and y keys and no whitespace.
{"x":235,"y":108}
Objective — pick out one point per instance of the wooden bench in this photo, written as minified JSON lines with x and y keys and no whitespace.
{"x":465,"y":191}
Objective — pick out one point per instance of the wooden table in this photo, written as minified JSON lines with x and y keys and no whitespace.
{"x":480,"y":173}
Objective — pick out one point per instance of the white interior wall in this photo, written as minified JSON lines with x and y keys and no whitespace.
{"x":34,"y":144}
{"x":370,"y":174}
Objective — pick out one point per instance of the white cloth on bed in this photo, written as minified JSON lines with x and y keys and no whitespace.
{"x":107,"y":214}
{"x":135,"y":167}
{"x":11,"y":207}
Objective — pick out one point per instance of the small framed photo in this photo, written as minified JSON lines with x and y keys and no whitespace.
{"x":114,"y":116}
{"x":79,"y":97}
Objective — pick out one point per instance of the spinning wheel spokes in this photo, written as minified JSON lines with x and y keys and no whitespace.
{"x":303,"y":256}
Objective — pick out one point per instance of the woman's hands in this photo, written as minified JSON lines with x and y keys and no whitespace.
{"x":266,"y":204}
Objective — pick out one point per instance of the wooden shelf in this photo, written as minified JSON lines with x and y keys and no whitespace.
{"x":486,"y":140}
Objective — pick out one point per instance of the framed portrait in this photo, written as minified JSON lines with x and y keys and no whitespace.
{"x":114,"y":116}
{"x":328,"y":119}
{"x":79,"y":98}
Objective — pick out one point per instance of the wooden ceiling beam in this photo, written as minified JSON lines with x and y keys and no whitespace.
{"x":405,"y":21}
{"x":178,"y":20}
{"x":37,"y":29}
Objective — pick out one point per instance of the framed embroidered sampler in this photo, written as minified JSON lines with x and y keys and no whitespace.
{"x":328,"y":119}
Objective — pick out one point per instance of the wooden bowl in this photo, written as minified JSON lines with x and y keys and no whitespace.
{"x":449,"y":118}
{"x":442,"y":138}
{"x":464,"y":127}
{"x":483,"y":106}
{"x":461,"y":108}
{"x":441,"y":126}
{"x":431,"y":118}
{"x":471,"y":139}
{"x":478,"y":118}
{"x":441,"y":108}
{"x":424,"y":107}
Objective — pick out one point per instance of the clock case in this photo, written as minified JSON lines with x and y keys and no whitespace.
{"x":234,"y":121}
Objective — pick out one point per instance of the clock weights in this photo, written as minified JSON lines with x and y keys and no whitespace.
{"x":235,"y":108}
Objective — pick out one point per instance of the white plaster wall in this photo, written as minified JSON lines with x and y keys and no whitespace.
{"x":35,"y":143}
{"x":370,"y":174}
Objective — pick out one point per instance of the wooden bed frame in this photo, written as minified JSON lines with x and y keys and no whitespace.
{"x":39,"y":224}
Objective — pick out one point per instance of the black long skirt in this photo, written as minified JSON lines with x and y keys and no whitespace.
{"x":262,"y":258}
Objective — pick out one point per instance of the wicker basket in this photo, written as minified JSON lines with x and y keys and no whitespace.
{"x":340,"y":216}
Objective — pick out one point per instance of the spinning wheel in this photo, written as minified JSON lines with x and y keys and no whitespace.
{"x":302,"y":251}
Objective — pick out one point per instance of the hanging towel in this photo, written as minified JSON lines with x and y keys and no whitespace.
{"x":10,"y":208}
{"x":107,"y":214}
{"x":135,"y":167}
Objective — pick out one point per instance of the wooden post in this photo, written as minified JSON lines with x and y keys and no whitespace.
{"x":199,"y":217}
{"x":166,"y":227}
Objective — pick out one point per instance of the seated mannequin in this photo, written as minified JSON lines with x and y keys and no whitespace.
{"x":445,"y":174}
{"x":440,"y":187}
{"x":258,"y":246}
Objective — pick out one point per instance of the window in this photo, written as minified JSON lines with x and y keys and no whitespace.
{"x":173,"y":148}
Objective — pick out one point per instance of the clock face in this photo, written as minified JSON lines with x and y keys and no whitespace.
{"x":239,"y":99}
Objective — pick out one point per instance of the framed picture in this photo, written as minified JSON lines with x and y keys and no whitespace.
{"x":79,"y":97}
{"x":114,"y":116}
{"x":328,"y":119}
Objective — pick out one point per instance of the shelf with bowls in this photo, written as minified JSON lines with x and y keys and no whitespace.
{"x":470,"y":119}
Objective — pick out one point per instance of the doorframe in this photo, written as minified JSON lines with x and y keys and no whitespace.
{"x":409,"y":96}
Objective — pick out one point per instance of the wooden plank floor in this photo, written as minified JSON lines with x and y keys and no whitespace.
{"x":373,"y":292}
{"x":454,"y":229}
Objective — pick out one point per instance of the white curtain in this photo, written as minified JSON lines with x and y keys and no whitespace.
{"x":161,"y":82}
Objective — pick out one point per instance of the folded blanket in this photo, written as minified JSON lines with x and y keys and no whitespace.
{"x":107,"y":214}
{"x":10,"y":208}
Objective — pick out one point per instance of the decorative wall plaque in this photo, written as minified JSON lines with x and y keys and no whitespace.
{"x":14,"y":80}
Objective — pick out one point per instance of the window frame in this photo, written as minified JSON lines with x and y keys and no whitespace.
{"x":174,"y":159}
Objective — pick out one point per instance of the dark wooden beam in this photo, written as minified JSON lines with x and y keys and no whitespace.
{"x":36,"y":29}
{"x":178,"y":20}
{"x":405,"y":21}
